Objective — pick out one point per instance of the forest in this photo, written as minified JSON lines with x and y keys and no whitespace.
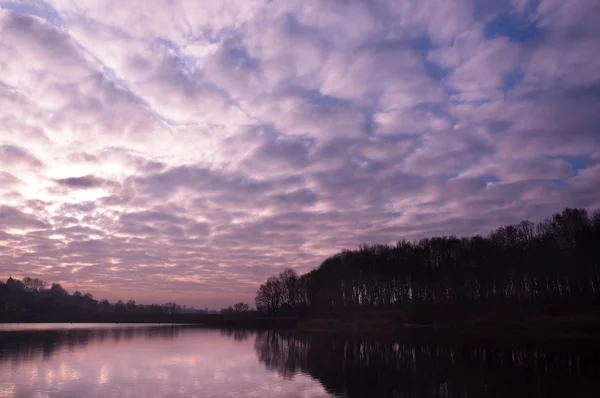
{"x":34,"y":295}
{"x":556,"y":260}
{"x":35,"y":300}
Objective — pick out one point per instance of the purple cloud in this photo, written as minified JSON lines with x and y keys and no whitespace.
{"x":85,"y":182}
{"x":197,"y":150}
{"x":14,"y":218}
{"x":11,"y":154}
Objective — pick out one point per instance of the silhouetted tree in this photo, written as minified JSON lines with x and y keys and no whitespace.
{"x":57,"y":289}
{"x":171,"y":308}
{"x":270,"y":295}
{"x":14,"y":284}
{"x":290,"y":285}
{"x":33,"y":285}
{"x":105,"y":306}
{"x":553,"y":260}
{"x":120,"y":307}
{"x":30,"y":295}
{"x":131,"y":306}
{"x":241,"y":307}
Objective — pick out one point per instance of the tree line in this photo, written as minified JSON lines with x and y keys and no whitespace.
{"x":237,"y":308}
{"x":555,"y":259}
{"x":36,"y":295}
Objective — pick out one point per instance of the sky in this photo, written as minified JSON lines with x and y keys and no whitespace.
{"x":186,"y":150}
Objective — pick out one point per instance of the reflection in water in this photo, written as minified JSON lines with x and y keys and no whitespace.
{"x":184,"y":361}
{"x":26,"y":345}
{"x":237,"y":334}
{"x":372,"y":368}
{"x":150,"y":362}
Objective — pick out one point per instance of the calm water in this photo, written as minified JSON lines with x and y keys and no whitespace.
{"x":182,"y":361}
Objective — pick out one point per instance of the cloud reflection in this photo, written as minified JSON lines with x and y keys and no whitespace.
{"x":159,"y":361}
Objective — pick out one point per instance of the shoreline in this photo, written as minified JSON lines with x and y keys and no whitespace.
{"x":580,"y":327}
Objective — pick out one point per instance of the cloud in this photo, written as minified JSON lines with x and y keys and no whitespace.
{"x":85,"y":182}
{"x":11,"y":154}
{"x":479,"y":65}
{"x":7,"y":179}
{"x":282,"y":151}
{"x":14,"y":218}
{"x":198,"y":229}
{"x":202,"y":146}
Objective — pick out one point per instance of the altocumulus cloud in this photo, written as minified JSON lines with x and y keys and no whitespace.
{"x":185,"y":151}
{"x":84,"y":182}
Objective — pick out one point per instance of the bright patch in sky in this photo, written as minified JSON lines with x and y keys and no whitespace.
{"x":186,"y":150}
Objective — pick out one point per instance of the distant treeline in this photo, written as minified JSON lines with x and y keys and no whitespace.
{"x":36,"y":296}
{"x":556,"y":259}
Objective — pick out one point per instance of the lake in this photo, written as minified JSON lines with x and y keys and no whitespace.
{"x":143,"y":361}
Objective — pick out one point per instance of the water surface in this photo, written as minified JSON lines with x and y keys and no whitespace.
{"x":89,"y":360}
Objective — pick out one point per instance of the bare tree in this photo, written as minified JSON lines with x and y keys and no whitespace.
{"x":290,"y":285}
{"x":56,"y":288}
{"x":557,"y":259}
{"x":131,"y":306}
{"x":241,"y":307}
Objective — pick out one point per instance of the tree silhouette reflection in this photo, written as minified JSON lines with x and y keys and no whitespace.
{"x":352,"y":367}
{"x":236,"y":334}
{"x":25,"y":345}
